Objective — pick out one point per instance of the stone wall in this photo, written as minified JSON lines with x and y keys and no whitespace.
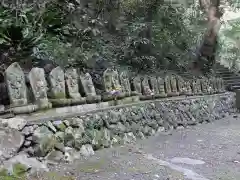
{"x":68,"y":139}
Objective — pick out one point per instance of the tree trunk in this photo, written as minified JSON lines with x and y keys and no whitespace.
{"x":207,"y":53}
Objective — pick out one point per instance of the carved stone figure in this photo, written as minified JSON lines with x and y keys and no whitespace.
{"x":111,"y":83}
{"x":16,"y":85}
{"x":137,"y":85}
{"x":180,"y":85}
{"x":107,"y":78}
{"x":147,"y":92}
{"x":220,"y":85}
{"x":204,"y":86}
{"x":212,"y":83}
{"x":154,"y":86}
{"x":126,"y":87}
{"x":168,"y":85}
{"x":57,"y":83}
{"x":57,"y":92}
{"x":17,"y":89}
{"x":72,"y":79}
{"x":198,"y":86}
{"x":194,"y":87}
{"x":174,"y":86}
{"x":39,"y":87}
{"x":161,"y":87}
{"x":188,"y":88}
{"x":89,"y":89}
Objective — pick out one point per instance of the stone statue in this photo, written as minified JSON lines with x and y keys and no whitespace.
{"x":154,"y":85}
{"x":168,"y":85}
{"x":39,"y":87}
{"x":147,"y":92}
{"x":161,"y":87}
{"x":72,"y":79}
{"x":89,"y":89}
{"x":180,"y":85}
{"x":57,"y":83}
{"x":126,"y":87}
{"x":16,"y":85}
{"x":137,"y":85}
{"x":17,"y":89}
{"x":198,"y":86}
{"x":194,"y":87}
{"x":204,"y":85}
{"x":107,"y":78}
{"x":188,"y":88}
{"x":174,"y":86}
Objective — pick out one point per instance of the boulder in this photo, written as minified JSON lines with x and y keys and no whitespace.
{"x":11,"y":141}
{"x":87,"y":150}
{"x":29,"y":163}
{"x":15,"y":123}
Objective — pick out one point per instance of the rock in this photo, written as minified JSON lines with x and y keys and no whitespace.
{"x":75,"y":122}
{"x":40,"y":132}
{"x":60,"y":147}
{"x":11,"y":141}
{"x":27,"y":143}
{"x":71,"y":154}
{"x":69,"y":137}
{"x":86,"y":150}
{"x":78,"y":138}
{"x":59,"y":136}
{"x":28,"y":130}
{"x":55,"y":155}
{"x":97,"y":139}
{"x":161,"y":129}
{"x":66,"y":122}
{"x":30,"y":163}
{"x":106,"y":138}
{"x":59,"y":125}
{"x":140,"y":135}
{"x":44,"y":140}
{"x":116,"y":140}
{"x":15,"y":123}
{"x":51,"y":126}
{"x":129,"y":138}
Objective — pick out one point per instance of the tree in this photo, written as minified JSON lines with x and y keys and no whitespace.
{"x":207,"y":52}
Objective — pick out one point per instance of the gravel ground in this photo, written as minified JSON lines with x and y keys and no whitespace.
{"x":203,"y":152}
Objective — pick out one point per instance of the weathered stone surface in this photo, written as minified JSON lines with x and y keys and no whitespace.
{"x":161,"y":87}
{"x":125,"y":83}
{"x":87,"y":150}
{"x":55,"y":155}
{"x":59,"y":125}
{"x":16,"y":85}
{"x":72,"y":79}
{"x":11,"y":142}
{"x":88,"y":88}
{"x":30,"y":163}
{"x":39,"y":87}
{"x":44,"y":140}
{"x":69,"y":137}
{"x":137,"y":85}
{"x":14,"y":123}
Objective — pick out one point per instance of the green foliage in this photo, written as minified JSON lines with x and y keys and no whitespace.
{"x":144,"y":35}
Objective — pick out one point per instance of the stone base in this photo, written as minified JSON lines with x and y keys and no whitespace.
{"x":127,"y":100}
{"x":157,"y":96}
{"x":60,"y":102}
{"x":44,"y":105}
{"x":171,"y":94}
{"x":93,"y":99}
{"x":78,"y":101}
{"x":146,"y":97}
{"x":135,"y":98}
{"x":24,"y":109}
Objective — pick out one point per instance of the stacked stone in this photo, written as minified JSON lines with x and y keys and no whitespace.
{"x":67,"y":139}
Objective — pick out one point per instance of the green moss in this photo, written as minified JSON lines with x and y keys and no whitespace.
{"x":60,"y":95}
{"x":19,"y":172}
